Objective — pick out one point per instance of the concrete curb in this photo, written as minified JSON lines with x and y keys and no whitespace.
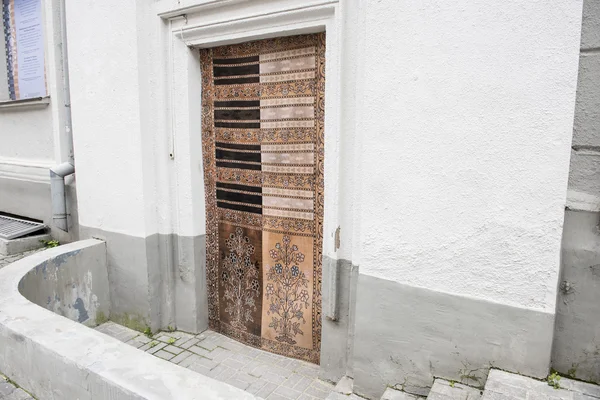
{"x":56,"y":358}
{"x":21,"y":245}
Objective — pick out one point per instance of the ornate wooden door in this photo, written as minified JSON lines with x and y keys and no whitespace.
{"x":262,"y":123}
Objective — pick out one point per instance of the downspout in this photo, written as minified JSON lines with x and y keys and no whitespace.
{"x":59,"y":196}
{"x":59,"y":172}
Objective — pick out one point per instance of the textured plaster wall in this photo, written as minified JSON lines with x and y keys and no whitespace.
{"x":121,"y":103}
{"x":467,"y":117}
{"x":455,"y":149}
{"x":106,"y":116}
{"x":26,"y":136}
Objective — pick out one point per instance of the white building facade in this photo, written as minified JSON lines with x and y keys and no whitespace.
{"x":448,"y":130}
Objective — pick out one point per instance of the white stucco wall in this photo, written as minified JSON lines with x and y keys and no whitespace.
{"x":105,"y":97}
{"x":26,"y":136}
{"x":468,"y":115}
{"x":32,"y":139}
{"x":121,"y":113}
{"x":29,"y":136}
{"x":456,"y":121}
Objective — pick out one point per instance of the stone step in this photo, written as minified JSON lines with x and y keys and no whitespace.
{"x":343,"y":390}
{"x":344,"y":386}
{"x":339,"y":396}
{"x":446,"y":390}
{"x":503,"y":385}
{"x":393,"y":394}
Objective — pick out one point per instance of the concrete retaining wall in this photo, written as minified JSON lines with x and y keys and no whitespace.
{"x":73,"y":284}
{"x":55,"y":358}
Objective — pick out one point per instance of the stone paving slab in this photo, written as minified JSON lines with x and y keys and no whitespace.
{"x":340,"y":396}
{"x":502,"y":385}
{"x":266,"y":375}
{"x":392,"y":394}
{"x":445,"y":390}
{"x":8,"y":391}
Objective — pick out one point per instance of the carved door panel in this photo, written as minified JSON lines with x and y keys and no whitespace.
{"x":262,"y":123}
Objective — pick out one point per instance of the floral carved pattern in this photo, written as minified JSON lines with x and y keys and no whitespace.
{"x":240,"y":279}
{"x":287,"y":291}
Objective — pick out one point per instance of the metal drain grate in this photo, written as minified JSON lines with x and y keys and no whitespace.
{"x":12,"y":228}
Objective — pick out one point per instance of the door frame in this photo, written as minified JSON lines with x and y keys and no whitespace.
{"x":211,"y":23}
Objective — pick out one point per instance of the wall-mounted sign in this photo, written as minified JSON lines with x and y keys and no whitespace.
{"x":24,"y":44}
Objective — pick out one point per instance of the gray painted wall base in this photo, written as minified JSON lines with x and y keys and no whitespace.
{"x":336,"y":335}
{"x":407,"y":335}
{"x":191,"y":300}
{"x":156,"y":281}
{"x":576,"y":349}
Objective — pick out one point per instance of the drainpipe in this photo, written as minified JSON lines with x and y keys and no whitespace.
{"x":59,"y":197}
{"x":59,"y":172}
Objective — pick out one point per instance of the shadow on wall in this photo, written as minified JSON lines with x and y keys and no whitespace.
{"x":576,"y":351}
{"x":73,"y":284}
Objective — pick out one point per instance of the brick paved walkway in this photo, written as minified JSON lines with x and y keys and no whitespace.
{"x":266,"y":375}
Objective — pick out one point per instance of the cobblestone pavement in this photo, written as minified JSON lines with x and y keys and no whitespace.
{"x":266,"y":375}
{"x":8,"y":391}
{"x":5,"y":260}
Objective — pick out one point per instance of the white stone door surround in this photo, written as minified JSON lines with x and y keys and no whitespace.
{"x":211,"y":23}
